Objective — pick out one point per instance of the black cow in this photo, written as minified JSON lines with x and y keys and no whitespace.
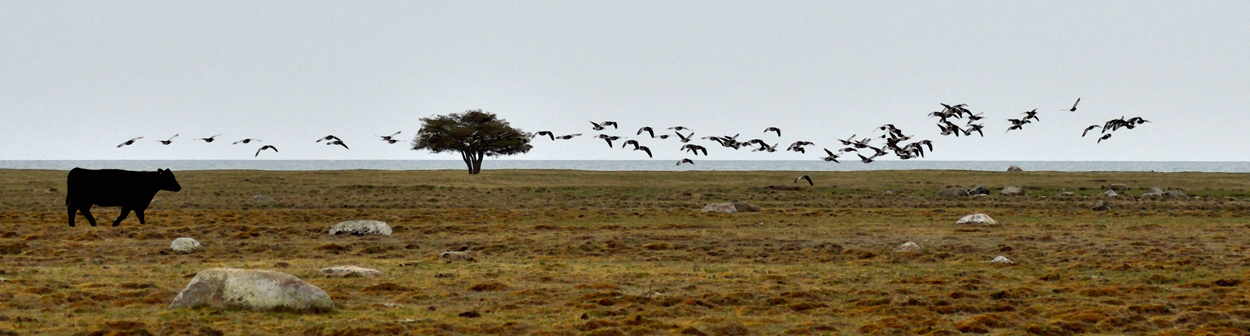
{"x":130,"y":190}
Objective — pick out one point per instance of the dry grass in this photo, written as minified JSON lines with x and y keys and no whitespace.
{"x":612,"y":253}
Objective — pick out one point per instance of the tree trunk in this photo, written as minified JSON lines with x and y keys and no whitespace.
{"x":477,"y":162}
{"x":467,"y":157}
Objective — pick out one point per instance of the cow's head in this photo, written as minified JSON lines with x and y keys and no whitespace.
{"x":166,"y":180}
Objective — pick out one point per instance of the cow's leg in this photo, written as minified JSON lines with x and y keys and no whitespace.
{"x":72,"y":212}
{"x":125,"y":211}
{"x":86,"y":212}
{"x":139,"y":213}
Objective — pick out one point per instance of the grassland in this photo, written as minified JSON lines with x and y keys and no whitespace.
{"x":623,"y":253}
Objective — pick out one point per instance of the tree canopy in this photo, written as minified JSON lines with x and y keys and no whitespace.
{"x":475,"y":134}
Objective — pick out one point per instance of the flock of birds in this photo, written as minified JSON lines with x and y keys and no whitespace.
{"x":955,"y":120}
{"x":893,"y":141}
{"x":330,"y":140}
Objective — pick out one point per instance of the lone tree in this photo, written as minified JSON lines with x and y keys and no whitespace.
{"x":475,"y":134}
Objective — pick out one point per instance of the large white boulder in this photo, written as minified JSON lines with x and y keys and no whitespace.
{"x":361,"y":228}
{"x":258,"y":290}
{"x":1012,"y":191}
{"x":1001,"y":260}
{"x":347,"y":271}
{"x":977,"y":218}
{"x":720,"y":207}
{"x":184,"y":245}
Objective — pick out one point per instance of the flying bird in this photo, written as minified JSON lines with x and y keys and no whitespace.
{"x":337,"y":142}
{"x":391,"y":138}
{"x":1078,"y":101}
{"x":547,"y":133}
{"x":1031,"y":115}
{"x":275,"y":149}
{"x":630,"y":142}
{"x":1090,"y":128}
{"x":246,"y":141}
{"x":849,"y":141}
{"x":566,"y":137}
{"x":210,"y":139}
{"x":129,"y":142}
{"x":645,"y":149}
{"x":804,"y":177}
{"x":684,"y":138}
{"x":773,"y":129}
{"x":694,"y":149}
{"x":646,"y":129}
{"x":610,"y":123}
{"x":1104,"y":137}
{"x":168,"y":141}
{"x":328,"y":138}
{"x":609,"y":138}
{"x":596,"y":126}
{"x":865,"y":159}
{"x":1016,"y":124}
{"x":686,"y":160}
{"x":679,"y":128}
{"x":832,"y":157}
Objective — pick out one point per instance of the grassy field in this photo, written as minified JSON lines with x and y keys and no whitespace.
{"x":624,"y":253}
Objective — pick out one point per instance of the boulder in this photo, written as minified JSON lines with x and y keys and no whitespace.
{"x":979,"y":190}
{"x":1119,"y":187}
{"x":184,"y":245}
{"x":1102,"y":205}
{"x":1001,"y":260}
{"x":1175,"y":194}
{"x":720,"y":207}
{"x":1014,"y":168}
{"x":455,"y":256}
{"x":350,"y":271}
{"x":1012,"y":191}
{"x":258,"y":290}
{"x":952,"y":193}
{"x":977,"y":218}
{"x":1110,"y":193}
{"x":361,"y":228}
{"x":908,"y":247}
{"x":746,"y":207}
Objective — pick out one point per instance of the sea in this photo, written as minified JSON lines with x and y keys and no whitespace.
{"x":633,"y":165}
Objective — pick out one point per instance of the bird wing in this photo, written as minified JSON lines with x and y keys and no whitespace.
{"x":1078,"y":101}
{"x":645,"y":149}
{"x":827,"y":151}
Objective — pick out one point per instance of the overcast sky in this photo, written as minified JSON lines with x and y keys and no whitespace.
{"x":77,"y":78}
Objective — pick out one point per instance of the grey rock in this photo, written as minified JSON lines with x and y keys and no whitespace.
{"x":361,"y":228}
{"x":746,"y":207}
{"x":1014,"y":168}
{"x":1102,"y":205}
{"x":720,"y":207}
{"x":1065,"y":194}
{"x":952,"y":193}
{"x":1001,"y":260}
{"x":977,"y":218}
{"x":908,"y":247}
{"x":262,"y":199}
{"x":455,"y":255}
{"x":1175,"y":194}
{"x":1012,"y":191}
{"x":347,"y":271}
{"x":979,"y":190}
{"x":1119,"y":187}
{"x":258,"y":290}
{"x":1110,"y":193}
{"x":184,"y":245}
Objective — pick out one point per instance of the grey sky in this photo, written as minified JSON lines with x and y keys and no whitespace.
{"x":79,"y":77}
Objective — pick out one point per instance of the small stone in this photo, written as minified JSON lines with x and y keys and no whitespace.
{"x":454,"y":255}
{"x":720,"y":207}
{"x":908,"y":247}
{"x":349,"y":271}
{"x":1110,"y":193}
{"x":1012,"y":191}
{"x":184,"y":245}
{"x":1001,"y":260}
{"x":1119,"y":187}
{"x":361,"y":228}
{"x":258,"y":290}
{"x":262,"y":199}
{"x":977,"y":218}
{"x":979,"y":190}
{"x":1102,"y":205}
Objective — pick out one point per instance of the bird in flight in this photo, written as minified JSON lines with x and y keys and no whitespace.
{"x":832,"y":157}
{"x":686,"y":160}
{"x":328,"y":138}
{"x":246,"y":141}
{"x":275,"y":149}
{"x":1016,"y":124}
{"x":168,"y":141}
{"x":1078,"y":101}
{"x":680,"y":128}
{"x":1087,"y":129}
{"x":773,"y":129}
{"x":685,"y":138}
{"x":129,"y":142}
{"x":1031,"y":115}
{"x":645,"y":149}
{"x":865,"y":159}
{"x":630,"y":142}
{"x":646,"y":129}
{"x":566,"y":137}
{"x":609,"y":138}
{"x":1104,"y":137}
{"x":694,"y":149}
{"x":337,"y":142}
{"x":804,"y":177}
{"x":390,"y":138}
{"x":603,"y":125}
{"x":547,"y":133}
{"x":210,"y":139}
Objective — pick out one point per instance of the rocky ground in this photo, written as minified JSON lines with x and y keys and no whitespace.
{"x":571,"y":253}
